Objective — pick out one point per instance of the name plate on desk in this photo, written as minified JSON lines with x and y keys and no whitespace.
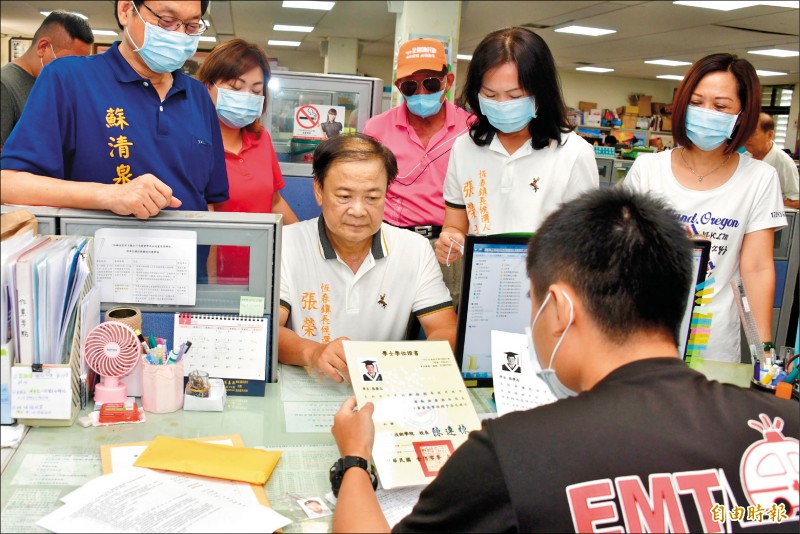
{"x":45,"y":394}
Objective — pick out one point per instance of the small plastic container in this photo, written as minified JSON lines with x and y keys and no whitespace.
{"x":198,"y":385}
{"x":162,"y":387}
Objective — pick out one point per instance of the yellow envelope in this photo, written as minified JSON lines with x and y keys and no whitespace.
{"x":209,"y":459}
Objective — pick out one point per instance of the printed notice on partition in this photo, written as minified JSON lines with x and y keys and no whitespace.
{"x":146,"y":266}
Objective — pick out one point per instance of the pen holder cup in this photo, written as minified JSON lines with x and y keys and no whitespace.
{"x":162,"y":387}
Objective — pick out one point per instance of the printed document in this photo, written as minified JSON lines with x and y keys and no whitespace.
{"x":516,"y":386}
{"x":146,"y":266}
{"x":134,"y":500}
{"x":422,"y":410}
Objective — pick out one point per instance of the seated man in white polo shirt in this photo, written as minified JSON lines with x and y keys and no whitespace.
{"x":345,"y":274}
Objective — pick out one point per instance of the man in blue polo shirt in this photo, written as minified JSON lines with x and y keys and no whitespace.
{"x":123,"y":131}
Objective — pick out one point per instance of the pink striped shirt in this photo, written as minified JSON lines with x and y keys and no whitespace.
{"x":415,"y":197}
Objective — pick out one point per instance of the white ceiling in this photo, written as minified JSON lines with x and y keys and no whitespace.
{"x":645,"y":29}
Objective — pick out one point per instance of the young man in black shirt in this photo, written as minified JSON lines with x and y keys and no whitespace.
{"x":646,"y":445}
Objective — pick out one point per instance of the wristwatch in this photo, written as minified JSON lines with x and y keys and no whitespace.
{"x":343,"y":464}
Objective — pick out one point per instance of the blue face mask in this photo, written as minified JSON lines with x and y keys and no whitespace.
{"x":707,"y":129}
{"x":425,"y":105}
{"x":163,"y":50}
{"x":237,"y":109}
{"x":509,"y":116}
{"x":548,"y":375}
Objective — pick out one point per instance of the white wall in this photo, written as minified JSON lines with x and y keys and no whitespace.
{"x":611,"y":92}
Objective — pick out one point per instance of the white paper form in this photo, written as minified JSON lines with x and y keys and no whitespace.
{"x":397,"y":503}
{"x":423,"y":412}
{"x":26,"y":505}
{"x":57,"y":469}
{"x":299,"y":384}
{"x":133,"y":500}
{"x":90,"y":317}
{"x":311,"y":416}
{"x":146,"y":266}
{"x":41,"y":395}
{"x":302,"y":470}
{"x":516,"y":388}
{"x":232,"y":491}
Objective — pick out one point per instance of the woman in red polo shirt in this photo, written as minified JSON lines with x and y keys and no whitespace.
{"x":236,"y":75}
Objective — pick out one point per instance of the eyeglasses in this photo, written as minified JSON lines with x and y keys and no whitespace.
{"x":172,"y":24}
{"x":432,"y":85}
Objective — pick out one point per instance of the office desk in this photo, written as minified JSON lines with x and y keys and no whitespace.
{"x":28,"y":494}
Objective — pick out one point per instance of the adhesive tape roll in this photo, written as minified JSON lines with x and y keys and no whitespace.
{"x":126,"y":315}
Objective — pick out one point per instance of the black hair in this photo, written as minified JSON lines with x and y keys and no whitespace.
{"x":138,"y":4}
{"x":537,"y":76}
{"x":72,"y":24}
{"x":355,"y":147}
{"x":332,"y":111}
{"x":626,"y":256}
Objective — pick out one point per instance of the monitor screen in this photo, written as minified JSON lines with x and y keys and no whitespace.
{"x":494,"y":296}
{"x":702,"y":249}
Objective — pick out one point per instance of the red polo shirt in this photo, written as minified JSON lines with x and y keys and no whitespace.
{"x":254,"y":175}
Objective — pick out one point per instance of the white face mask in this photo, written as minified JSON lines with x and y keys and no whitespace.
{"x":549,"y":375}
{"x":54,"y":56}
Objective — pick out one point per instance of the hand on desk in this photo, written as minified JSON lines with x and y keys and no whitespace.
{"x":354,"y":430}
{"x":330,"y":360}
{"x":144,"y":196}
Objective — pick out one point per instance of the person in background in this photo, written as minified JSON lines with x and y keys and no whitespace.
{"x":610,"y":140}
{"x":236,"y":74}
{"x":61,"y":34}
{"x":331,"y":126}
{"x":348,"y":275}
{"x":521,"y":158}
{"x":761,"y":146}
{"x":420,"y":132}
{"x":638,"y":441}
{"x":125,"y":130}
{"x":720,"y":195}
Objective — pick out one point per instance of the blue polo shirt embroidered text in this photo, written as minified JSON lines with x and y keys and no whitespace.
{"x":94,"y":119}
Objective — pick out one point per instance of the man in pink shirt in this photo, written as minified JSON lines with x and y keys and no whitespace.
{"x":420,"y":132}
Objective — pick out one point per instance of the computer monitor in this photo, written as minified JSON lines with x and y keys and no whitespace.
{"x":702,"y":249}
{"x":493,"y":297}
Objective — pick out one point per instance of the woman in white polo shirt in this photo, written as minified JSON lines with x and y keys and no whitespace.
{"x":521,"y":158}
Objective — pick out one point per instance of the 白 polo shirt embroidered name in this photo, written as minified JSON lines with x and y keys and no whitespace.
{"x":504,"y":192}
{"x":94,"y":119}
{"x":326,"y":300}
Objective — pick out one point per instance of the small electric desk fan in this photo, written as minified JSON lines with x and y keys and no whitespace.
{"x":112,"y":351}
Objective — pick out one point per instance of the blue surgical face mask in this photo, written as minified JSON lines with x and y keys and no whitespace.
{"x":707,"y":129}
{"x":509,"y":116}
{"x":425,"y":105}
{"x":237,"y":109}
{"x":163,"y":50}
{"x":548,"y":375}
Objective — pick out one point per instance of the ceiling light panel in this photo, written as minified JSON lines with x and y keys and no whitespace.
{"x":775,"y":52}
{"x":594,"y":69}
{"x":274,"y":42}
{"x":585,"y":30}
{"x":769,"y":73}
{"x":668,"y":62}
{"x":320,"y":6}
{"x":669,"y":77}
{"x":290,"y":28}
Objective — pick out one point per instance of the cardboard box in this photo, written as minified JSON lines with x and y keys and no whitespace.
{"x":657,"y":108}
{"x":629,"y":122}
{"x":666,"y":124}
{"x":628,"y":110}
{"x":644,"y":105}
{"x":586,"y":106}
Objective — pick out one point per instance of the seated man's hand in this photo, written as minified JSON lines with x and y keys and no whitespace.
{"x":144,"y":196}
{"x":354,"y":431}
{"x":450,"y":243}
{"x":327,"y":359}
